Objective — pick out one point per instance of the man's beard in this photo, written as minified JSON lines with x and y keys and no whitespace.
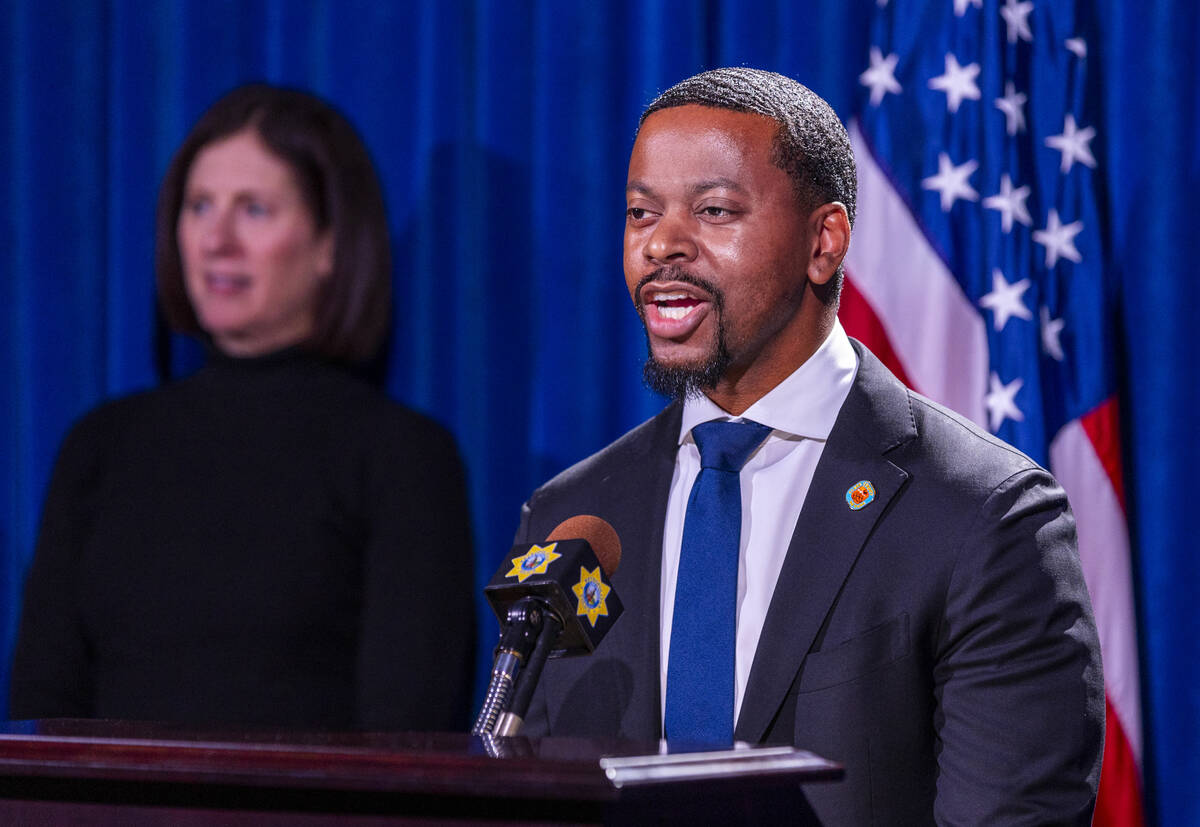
{"x":682,"y":381}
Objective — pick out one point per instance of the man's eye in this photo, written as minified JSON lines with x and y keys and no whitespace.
{"x":716,"y":212}
{"x":257,"y":209}
{"x":636,"y":213}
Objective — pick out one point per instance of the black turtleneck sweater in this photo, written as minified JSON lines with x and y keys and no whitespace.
{"x":268,"y":542}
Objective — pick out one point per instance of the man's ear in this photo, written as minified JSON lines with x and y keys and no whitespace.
{"x":830,"y":225}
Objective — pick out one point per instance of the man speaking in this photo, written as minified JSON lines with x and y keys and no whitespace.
{"x":813,"y":554}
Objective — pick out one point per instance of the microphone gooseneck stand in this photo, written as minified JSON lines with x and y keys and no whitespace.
{"x":530,"y":630}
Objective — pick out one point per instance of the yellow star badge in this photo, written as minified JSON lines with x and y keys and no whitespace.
{"x":533,"y":562}
{"x":591,"y":591}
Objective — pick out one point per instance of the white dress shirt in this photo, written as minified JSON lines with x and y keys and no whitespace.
{"x":800,"y":411}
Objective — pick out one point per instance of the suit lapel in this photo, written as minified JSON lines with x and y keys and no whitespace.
{"x":829,"y":535}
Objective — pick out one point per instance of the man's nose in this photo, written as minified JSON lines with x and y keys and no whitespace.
{"x":671,"y":240}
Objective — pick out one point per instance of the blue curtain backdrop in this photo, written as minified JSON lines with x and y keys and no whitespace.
{"x":501,"y":131}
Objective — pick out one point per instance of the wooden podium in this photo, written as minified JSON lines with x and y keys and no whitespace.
{"x":110,"y":772}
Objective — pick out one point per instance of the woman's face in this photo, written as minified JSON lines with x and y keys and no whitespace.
{"x":253,"y":259}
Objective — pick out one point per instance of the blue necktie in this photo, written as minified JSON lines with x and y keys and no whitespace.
{"x":700,"y":665}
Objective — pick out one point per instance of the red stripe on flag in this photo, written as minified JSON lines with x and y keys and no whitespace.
{"x":1101,"y":424}
{"x":1120,"y":801}
{"x":860,"y":321}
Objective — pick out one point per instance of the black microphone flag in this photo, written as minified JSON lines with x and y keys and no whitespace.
{"x":568,"y":577}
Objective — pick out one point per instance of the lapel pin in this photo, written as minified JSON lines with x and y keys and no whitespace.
{"x":859,"y":494}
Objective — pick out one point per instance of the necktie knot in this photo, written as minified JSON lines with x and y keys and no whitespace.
{"x":725,"y":446}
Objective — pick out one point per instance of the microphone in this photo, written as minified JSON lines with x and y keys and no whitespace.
{"x":552,"y":599}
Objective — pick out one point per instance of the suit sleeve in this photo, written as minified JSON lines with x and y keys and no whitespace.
{"x":51,"y":670}
{"x":417,"y":634}
{"x":1020,"y":697}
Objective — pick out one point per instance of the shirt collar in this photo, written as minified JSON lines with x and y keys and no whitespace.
{"x":805,"y":404}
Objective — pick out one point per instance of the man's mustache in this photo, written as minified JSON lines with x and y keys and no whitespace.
{"x":674,"y":272}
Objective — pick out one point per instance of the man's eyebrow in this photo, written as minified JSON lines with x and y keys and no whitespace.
{"x":717,"y":184}
{"x":695,"y":189}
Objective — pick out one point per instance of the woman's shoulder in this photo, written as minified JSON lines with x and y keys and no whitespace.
{"x":105,"y":431}
{"x":140,"y":407}
{"x":379,"y":411}
{"x":407,"y":427}
{"x":112,"y":415}
{"x":395,"y":432}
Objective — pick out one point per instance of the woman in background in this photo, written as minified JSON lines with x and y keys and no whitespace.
{"x":270,"y":541}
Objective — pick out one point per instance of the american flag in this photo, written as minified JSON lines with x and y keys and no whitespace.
{"x":977,"y":272}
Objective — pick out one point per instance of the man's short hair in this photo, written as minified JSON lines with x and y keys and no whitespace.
{"x":811,"y":146}
{"x":340,"y":188}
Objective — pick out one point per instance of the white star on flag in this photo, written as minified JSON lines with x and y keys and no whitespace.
{"x":1059,"y":239}
{"x":951,"y":181}
{"x":957,"y":82}
{"x":1005,"y":300}
{"x":1016,"y":17}
{"x":1077,"y":46}
{"x":1010,"y":204}
{"x":1011,"y":105}
{"x":1051,"y":329}
{"x":881,"y":77}
{"x":1073,"y":144}
{"x":960,"y":6}
{"x":1001,"y":401}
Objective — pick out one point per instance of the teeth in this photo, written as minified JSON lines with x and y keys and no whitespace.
{"x":673,"y":312}
{"x":666,"y":297}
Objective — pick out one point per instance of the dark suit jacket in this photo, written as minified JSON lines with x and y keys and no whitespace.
{"x":939,"y":642}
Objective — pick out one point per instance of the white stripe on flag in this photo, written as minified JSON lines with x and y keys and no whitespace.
{"x":1104,"y":552}
{"x":910,"y":288}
